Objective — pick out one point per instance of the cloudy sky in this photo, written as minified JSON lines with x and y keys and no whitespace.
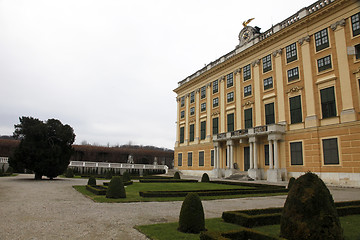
{"x":107,"y":68}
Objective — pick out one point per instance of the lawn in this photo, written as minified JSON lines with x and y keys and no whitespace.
{"x":164,"y":231}
{"x":132,"y":191}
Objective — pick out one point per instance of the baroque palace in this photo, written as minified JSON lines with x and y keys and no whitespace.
{"x":283,"y":102}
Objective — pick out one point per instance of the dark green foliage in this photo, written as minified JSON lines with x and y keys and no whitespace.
{"x":69,"y":173}
{"x":10,"y":170}
{"x":177,"y":175}
{"x":92,"y":181}
{"x":192,"y":219}
{"x":116,"y":188}
{"x":309,"y":211}
{"x":98,"y":190}
{"x":205,"y":178}
{"x":108,"y":174}
{"x":243,"y":233}
{"x":126,"y":176}
{"x":45,"y":147}
{"x":291,"y":182}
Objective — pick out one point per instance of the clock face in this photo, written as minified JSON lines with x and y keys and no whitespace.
{"x":246,"y":35}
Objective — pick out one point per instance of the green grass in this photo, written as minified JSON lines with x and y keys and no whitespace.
{"x":132,"y":192}
{"x":164,"y":231}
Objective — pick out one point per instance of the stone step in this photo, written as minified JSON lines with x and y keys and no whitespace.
{"x":239,"y":176}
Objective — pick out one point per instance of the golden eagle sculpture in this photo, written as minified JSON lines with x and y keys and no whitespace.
{"x":245,"y":23}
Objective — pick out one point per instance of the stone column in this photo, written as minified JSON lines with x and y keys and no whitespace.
{"x":255,"y":155}
{"x":271,"y":155}
{"x":229,"y":145}
{"x":276,"y":155}
{"x":251,"y":156}
{"x":311,"y":118}
{"x":216,"y":157}
{"x":274,"y":174}
{"x":348,"y":113}
{"x":254,"y":172}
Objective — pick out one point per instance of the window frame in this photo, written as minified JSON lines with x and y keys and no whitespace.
{"x":229,"y":80}
{"x":203,"y":92}
{"x":268,"y":83}
{"x":247,"y":90}
{"x":189,"y":160}
{"x":246,"y":72}
{"x":182,"y":101}
{"x":325,"y":63}
{"x":215,"y":126}
{"x":201,"y":158}
{"x":295,"y":111}
{"x":215,"y":86}
{"x":230,"y":122}
{"x":293,"y":76}
{"x":267,"y":63}
{"x":357,"y":31}
{"x":215,"y":102}
{"x":330,"y":103}
{"x":291,"y":53}
{"x":182,"y":114}
{"x":192,"y":111}
{"x":192,"y":97}
{"x":321,"y":39}
{"x":296,"y":154}
{"x":230,"y":97}
{"x":182,"y":134}
{"x":248,"y":112}
{"x":212,"y":157}
{"x":330,"y":151}
{"x":269,"y":116}
{"x":203,"y":107}
{"x":191,"y":132}
{"x":180,"y":159}
{"x":202,"y":130}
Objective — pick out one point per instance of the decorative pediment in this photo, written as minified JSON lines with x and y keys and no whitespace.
{"x":248,"y":103}
{"x":294,"y":89}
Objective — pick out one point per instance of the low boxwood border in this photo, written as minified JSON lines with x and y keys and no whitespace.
{"x":95,"y":190}
{"x":125,"y":183}
{"x":243,"y":233}
{"x":270,"y":216}
{"x":168,"y":181}
{"x":246,"y":184}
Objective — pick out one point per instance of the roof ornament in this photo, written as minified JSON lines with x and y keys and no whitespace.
{"x":245,"y":23}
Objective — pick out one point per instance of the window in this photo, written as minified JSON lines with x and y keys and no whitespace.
{"x":357,"y":52}
{"x":229,"y":80}
{"x":266,"y":150}
{"x":182,"y":114}
{"x":324,"y":63}
{"x":247,"y":91}
{"x":192,"y":97}
{"x":212,"y":157}
{"x":293,"y":74}
{"x":189,"y":159}
{"x":269,"y":113}
{"x":201,"y":159}
{"x":355,"y":23}
{"x":203,"y":92}
{"x":248,"y":118}
{"x":268,"y":83}
{"x":321,"y":39}
{"x":230,"y":97}
{"x":247,"y":72}
{"x":230,"y":122}
{"x":291,"y":54}
{"x":179,"y":159}
{"x":215,"y":86}
{"x":296,"y":153}
{"x":330,"y":150}
{"x":203,"y":130}
{"x":328,"y":104}
{"x":191,"y":132}
{"x":267,"y":63}
{"x":203,"y":107}
{"x":182,"y":101}
{"x":215,"y":102}
{"x":192,"y":111}
{"x":295,"y":109}
{"x":182,"y":135}
{"x":215,"y":126}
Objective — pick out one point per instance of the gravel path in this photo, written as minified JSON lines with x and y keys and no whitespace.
{"x":54,"y":210}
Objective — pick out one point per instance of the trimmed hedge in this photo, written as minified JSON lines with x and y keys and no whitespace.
{"x":257,"y":185}
{"x":214,"y":192}
{"x":167,"y":180}
{"x":116,"y":188}
{"x":270,"y":216}
{"x":243,"y":233}
{"x":98,"y":190}
{"x":205,"y":178}
{"x":125,"y":183}
{"x":91,"y":181}
{"x":192,"y":218}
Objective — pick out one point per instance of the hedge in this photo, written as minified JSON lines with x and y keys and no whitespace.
{"x":125,"y":183}
{"x":98,"y":190}
{"x":257,"y":185}
{"x":213,"y":192}
{"x":167,"y":181}
{"x":243,"y":233}
{"x":270,"y":216}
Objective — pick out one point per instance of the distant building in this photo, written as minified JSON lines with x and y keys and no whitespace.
{"x":283,"y":102}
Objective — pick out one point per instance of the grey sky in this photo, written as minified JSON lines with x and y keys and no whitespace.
{"x":108,"y":68}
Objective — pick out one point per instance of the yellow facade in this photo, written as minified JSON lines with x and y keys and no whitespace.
{"x":287,"y":101}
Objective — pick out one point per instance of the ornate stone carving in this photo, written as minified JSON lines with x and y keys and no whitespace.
{"x":275,"y":53}
{"x":192,"y":120}
{"x":338,"y":23}
{"x":222,"y":79}
{"x":255,"y":62}
{"x":237,"y":71}
{"x":197,"y":90}
{"x":248,"y":103}
{"x":294,"y":89}
{"x":304,"y":39}
{"x":208,"y":85}
{"x":215,"y":113}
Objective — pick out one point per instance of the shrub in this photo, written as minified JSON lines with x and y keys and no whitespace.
{"x":191,"y":219}
{"x":177,"y":175}
{"x":92,"y":181}
{"x":69,"y":173}
{"x":291,"y":182}
{"x":108,"y":174}
{"x":126,"y":176}
{"x":10,"y":170}
{"x":116,"y":188}
{"x":309,"y":211}
{"x":205,"y":178}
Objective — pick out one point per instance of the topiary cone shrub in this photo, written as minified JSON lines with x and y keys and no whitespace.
{"x":69,"y":173}
{"x":191,"y":219}
{"x":309,"y":211}
{"x":126,"y":176}
{"x":205,"y":178}
{"x":291,"y":182}
{"x":116,"y":188}
{"x":92,"y":181}
{"x":177,"y":175}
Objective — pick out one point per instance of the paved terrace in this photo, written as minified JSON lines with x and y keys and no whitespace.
{"x":54,"y":210}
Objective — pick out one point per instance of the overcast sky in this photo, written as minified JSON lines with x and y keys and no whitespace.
{"x":108,"y":68}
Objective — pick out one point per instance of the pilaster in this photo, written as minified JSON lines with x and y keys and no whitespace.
{"x":222,"y":100}
{"x":208,"y":111}
{"x":279,"y":85}
{"x":257,"y":93}
{"x":238,"y":111}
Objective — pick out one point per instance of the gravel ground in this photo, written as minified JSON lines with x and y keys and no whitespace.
{"x":54,"y":210}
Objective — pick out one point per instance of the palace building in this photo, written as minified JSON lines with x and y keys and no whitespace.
{"x":283,"y":102}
